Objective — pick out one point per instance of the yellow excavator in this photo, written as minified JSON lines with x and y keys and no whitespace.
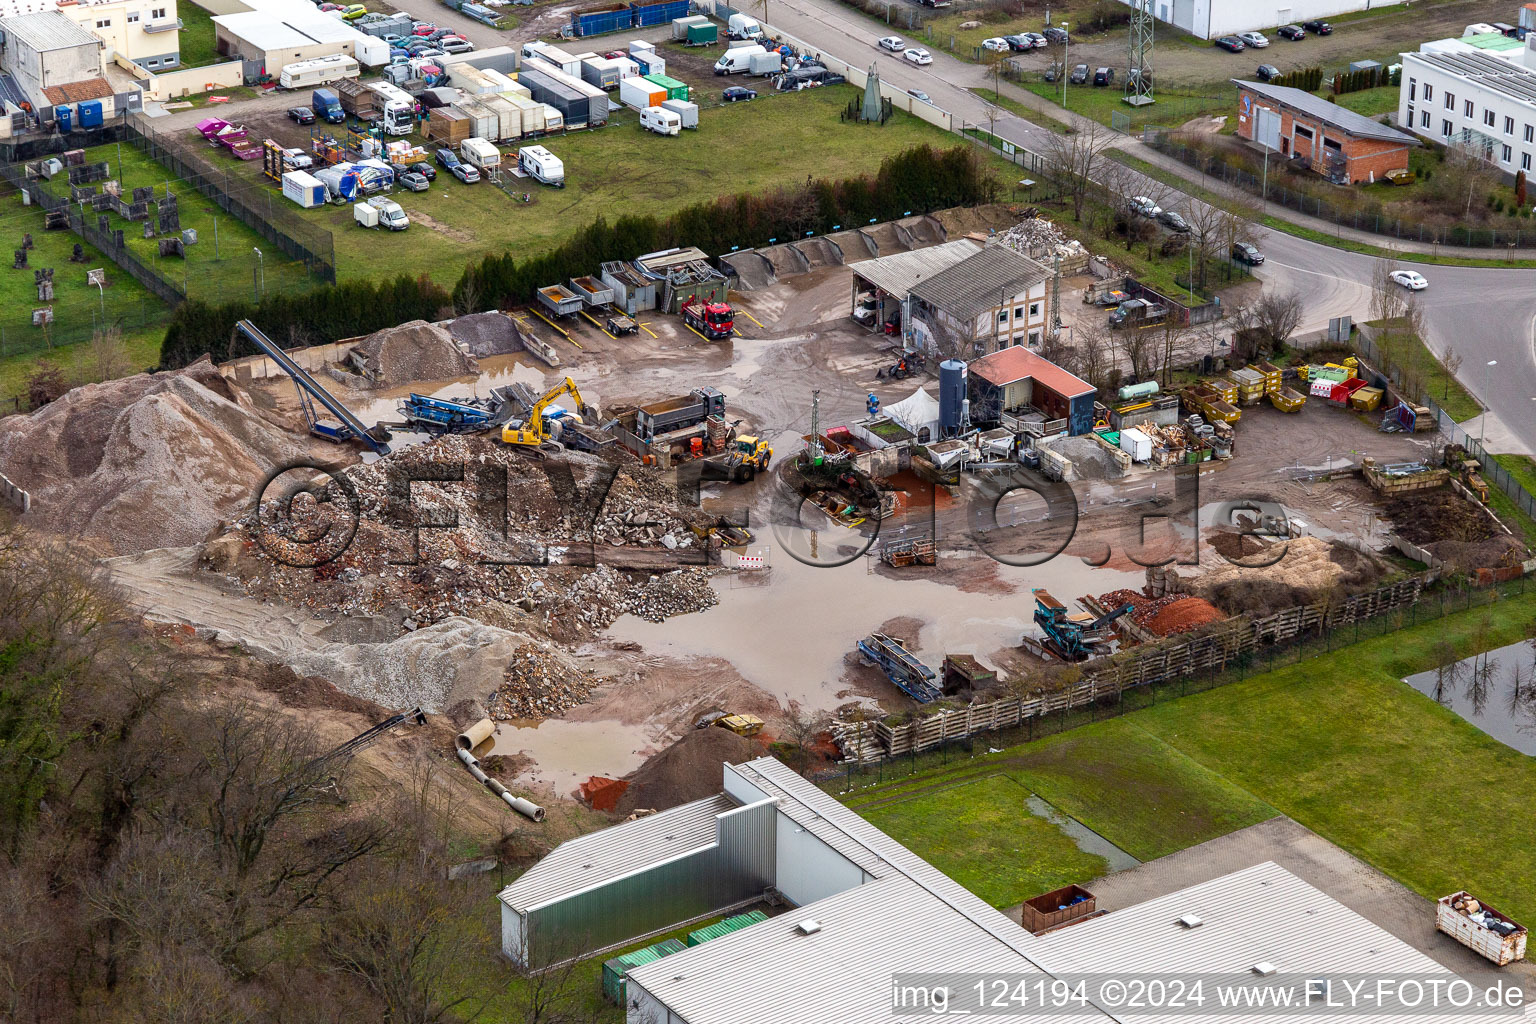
{"x":537,"y":432}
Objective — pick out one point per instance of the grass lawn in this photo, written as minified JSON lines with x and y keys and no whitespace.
{"x":620,"y":169}
{"x":1439,"y":382}
{"x":943,"y":31}
{"x":1023,"y":110}
{"x":197,"y":36}
{"x":1370,"y":102}
{"x":1172,"y":108}
{"x":141,"y":351}
{"x":1521,"y":467}
{"x":981,"y":835}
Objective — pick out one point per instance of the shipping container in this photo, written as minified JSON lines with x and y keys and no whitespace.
{"x":447,"y":124}
{"x":674,"y":89}
{"x":1480,"y":928}
{"x":601,"y":20}
{"x":1135,"y":444}
{"x":639,"y":93}
{"x":303,"y":188}
{"x":1059,"y":906}
{"x":659,"y":12}
{"x":725,"y":927}
{"x":689,"y":112}
{"x":570,"y":104}
{"x":482,"y":122}
{"x":531,"y":113}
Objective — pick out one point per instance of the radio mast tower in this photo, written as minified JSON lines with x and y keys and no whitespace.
{"x":1138,"y":79}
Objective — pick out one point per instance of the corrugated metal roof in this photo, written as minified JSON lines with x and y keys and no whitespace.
{"x":1320,"y":110}
{"x":974,"y":285}
{"x":1495,"y":73}
{"x":898,"y":272}
{"x":614,"y":852}
{"x":47,"y":31}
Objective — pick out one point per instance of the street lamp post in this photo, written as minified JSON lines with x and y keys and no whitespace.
{"x":1066,"y":45}
{"x":260,"y":281}
{"x":1482,"y":421}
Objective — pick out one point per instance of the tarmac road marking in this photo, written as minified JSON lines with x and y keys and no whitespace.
{"x":754,"y":319}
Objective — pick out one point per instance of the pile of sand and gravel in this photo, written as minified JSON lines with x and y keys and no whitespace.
{"x":148,"y":461}
{"x":1309,"y":570}
{"x":485,"y":334}
{"x":1168,"y":615}
{"x":687,"y":770}
{"x":413,"y":351}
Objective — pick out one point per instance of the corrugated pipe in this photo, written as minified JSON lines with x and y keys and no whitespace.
{"x":526,"y":808}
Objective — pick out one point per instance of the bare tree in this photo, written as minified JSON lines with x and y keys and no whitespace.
{"x":1142,"y":351}
{"x":1276,"y":316}
{"x":1452,"y":362}
{"x":1174,"y":339}
{"x":1448,"y":671}
{"x":1209,"y":227}
{"x":1071,"y":162}
{"x":1093,"y":350}
{"x":1387,"y":296}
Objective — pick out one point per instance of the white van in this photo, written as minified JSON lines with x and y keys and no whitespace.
{"x":743,"y":26}
{"x":738,"y":60}
{"x":661,"y":121}
{"x":380,"y":212}
{"x":542,"y":165}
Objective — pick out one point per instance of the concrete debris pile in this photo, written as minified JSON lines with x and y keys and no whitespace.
{"x":1090,"y":459}
{"x":539,"y":683}
{"x":1040,"y":239}
{"x":153,"y":460}
{"x":521,"y":543}
{"x":413,"y":351}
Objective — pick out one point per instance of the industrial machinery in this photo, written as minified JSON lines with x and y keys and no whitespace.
{"x":438,"y":416}
{"x":741,"y":725}
{"x":364,"y":738}
{"x":911,"y":676}
{"x":310,"y":391}
{"x":541,"y":431}
{"x":1072,"y":636}
{"x":744,"y":457}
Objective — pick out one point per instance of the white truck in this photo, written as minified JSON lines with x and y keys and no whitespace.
{"x":743,"y":26}
{"x":541,"y":165}
{"x":661,"y":121}
{"x":380,"y":212}
{"x":480,"y":154}
{"x":738,"y":60}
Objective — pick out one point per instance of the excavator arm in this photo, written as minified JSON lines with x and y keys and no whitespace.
{"x":532,"y":431}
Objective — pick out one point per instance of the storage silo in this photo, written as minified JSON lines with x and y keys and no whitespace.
{"x":951,"y":396}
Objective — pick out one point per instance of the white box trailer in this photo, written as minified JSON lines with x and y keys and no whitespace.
{"x":553,"y":119}
{"x":531,"y":114}
{"x":304,"y":188}
{"x":738,"y":60}
{"x":511,"y":117}
{"x":687,"y":111}
{"x":505,"y":84}
{"x":553,"y":55}
{"x":769,"y":62}
{"x":1136,"y":444}
{"x":1480,"y":928}
{"x":307,"y":74}
{"x":638,"y":94}
{"x":370,"y":51}
{"x":472,"y":80}
{"x":641,"y":47}
{"x":601,"y":72}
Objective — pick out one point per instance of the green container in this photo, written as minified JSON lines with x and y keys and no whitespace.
{"x":615,"y":970}
{"x":675,"y":90}
{"x":702,"y":34}
{"x":725,"y":927}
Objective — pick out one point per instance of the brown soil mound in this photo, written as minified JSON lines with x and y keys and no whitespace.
{"x":687,"y":770}
{"x":1237,"y":546}
{"x":1494,"y":553}
{"x":1423,"y":517}
{"x":153,"y":460}
{"x":1183,"y":616}
{"x":886,"y":240}
{"x":1256,"y":597}
{"x":413,"y":351}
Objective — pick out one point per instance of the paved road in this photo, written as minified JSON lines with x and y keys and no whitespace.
{"x":1482,"y":314}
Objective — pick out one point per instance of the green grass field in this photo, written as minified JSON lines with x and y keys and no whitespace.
{"x":1521,"y":467}
{"x":1337,"y":742}
{"x":1370,"y":102}
{"x":197,"y":35}
{"x":1173,"y":107}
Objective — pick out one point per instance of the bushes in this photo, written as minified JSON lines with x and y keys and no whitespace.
{"x":920,"y":179}
{"x":1366,"y":78}
{"x":327,"y":314}
{"x":1307,"y":79}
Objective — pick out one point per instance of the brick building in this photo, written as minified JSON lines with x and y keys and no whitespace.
{"x":1341,"y":145}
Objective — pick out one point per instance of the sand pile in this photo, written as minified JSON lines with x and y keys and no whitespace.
{"x":928,"y":231}
{"x":1090,"y":460}
{"x":413,"y":351}
{"x":687,"y":770}
{"x":1310,"y":569}
{"x":786,"y":260}
{"x":819,"y":252}
{"x":149,"y":461}
{"x":485,"y":334}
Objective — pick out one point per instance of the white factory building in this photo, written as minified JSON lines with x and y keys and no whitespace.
{"x":858,"y":908}
{"x":268,"y":34}
{"x":1484,"y":103}
{"x":1210,"y":19}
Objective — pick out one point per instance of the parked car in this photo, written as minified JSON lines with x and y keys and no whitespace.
{"x":1144,"y":206}
{"x":1318,"y":28}
{"x":303,"y":115}
{"x":737,"y":93}
{"x":1243,"y":252}
{"x":413,"y":181}
{"x":446,"y":158}
{"x":918,"y":94}
{"x":934,"y":3}
{"x":1410,"y":279}
{"x":328,"y":8}
{"x":996,"y":44}
{"x":464,"y":172}
{"x":1019,"y":42}
{"x":394,"y":39}
{"x":893,"y":43}
{"x":1079,"y":75}
{"x":1291,"y":32}
{"x":1231,"y":44}
{"x":424,"y":169}
{"x":1055,"y":34}
{"x":455,"y":44}
{"x":1257,"y":40}
{"x":917,"y":55}
{"x":1054,"y":72}
{"x":423,"y":28}
{"x":1174,"y":222}
{"x":353,"y":11}
{"x":1039,"y":41}
{"x":1103,"y":77}
{"x":1268,"y":72}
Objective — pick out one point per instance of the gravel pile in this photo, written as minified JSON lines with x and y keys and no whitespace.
{"x":485,"y":334}
{"x":1088,"y":458}
{"x":413,"y":351}
{"x":539,"y":683}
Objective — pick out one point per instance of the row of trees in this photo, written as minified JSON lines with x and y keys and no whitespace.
{"x":917,"y":180}
{"x":310,"y":318}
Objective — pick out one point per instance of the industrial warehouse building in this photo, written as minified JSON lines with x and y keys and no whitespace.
{"x":862,"y":908}
{"x":270,"y":33}
{"x":1211,"y":19}
{"x":146,"y":33}
{"x":1345,"y":147}
{"x":1484,"y":104}
{"x":45,"y":50}
{"x":956,"y":300}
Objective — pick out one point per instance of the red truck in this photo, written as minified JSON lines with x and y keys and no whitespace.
{"x":714,"y":320}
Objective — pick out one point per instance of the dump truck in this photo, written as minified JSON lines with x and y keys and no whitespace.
{"x":678,"y":413}
{"x":1480,"y":928}
{"x":714,"y":320}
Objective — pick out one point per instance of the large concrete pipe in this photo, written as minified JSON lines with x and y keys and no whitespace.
{"x":526,"y":808}
{"x":476,"y":734}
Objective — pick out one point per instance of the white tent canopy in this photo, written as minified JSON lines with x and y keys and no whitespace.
{"x":917,"y":412}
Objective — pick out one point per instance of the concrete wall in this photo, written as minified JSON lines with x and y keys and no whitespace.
{"x":187,"y":81}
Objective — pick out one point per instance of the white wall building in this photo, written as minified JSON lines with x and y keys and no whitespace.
{"x":47,"y":49}
{"x":1210,"y":19}
{"x":268,"y":34}
{"x":146,"y":32}
{"x":1485,"y":104}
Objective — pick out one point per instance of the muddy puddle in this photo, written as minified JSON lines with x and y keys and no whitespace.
{"x":1085,"y":838}
{"x":1495,"y":692}
{"x":566,"y":753}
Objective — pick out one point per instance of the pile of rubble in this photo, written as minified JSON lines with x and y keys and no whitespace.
{"x":1040,"y":239}
{"x":539,"y":684}
{"x":413,"y":351}
{"x":1168,"y":615}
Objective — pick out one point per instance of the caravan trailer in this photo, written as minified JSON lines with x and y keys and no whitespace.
{"x":306,"y":74}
